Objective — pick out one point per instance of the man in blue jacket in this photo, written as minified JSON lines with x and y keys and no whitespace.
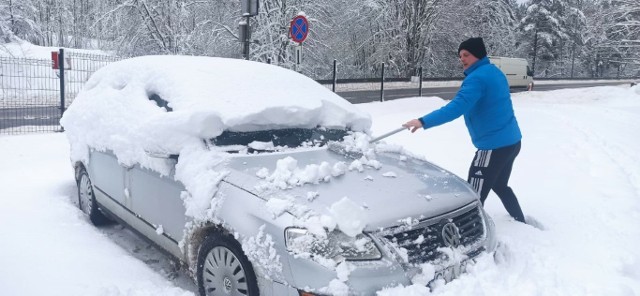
{"x":485,"y":102}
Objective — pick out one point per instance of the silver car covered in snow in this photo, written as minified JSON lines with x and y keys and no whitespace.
{"x":262,"y":182}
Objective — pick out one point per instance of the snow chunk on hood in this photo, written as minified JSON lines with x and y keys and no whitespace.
{"x":287,"y":173}
{"x":349,"y":216}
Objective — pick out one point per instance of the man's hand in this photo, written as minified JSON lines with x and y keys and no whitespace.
{"x":413,"y":125}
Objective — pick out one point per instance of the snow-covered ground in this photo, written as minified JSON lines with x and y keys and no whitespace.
{"x":24,"y":49}
{"x":578,"y":175}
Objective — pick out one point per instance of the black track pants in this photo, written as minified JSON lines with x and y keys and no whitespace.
{"x":491,"y":169}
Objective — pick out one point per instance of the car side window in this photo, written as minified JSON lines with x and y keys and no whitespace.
{"x":160,"y":102}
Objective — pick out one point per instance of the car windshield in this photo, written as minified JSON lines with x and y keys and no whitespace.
{"x":277,"y":140}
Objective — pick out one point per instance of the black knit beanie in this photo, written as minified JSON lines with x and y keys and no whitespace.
{"x":475,"y":46}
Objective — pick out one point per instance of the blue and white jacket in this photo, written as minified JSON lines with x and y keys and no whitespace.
{"x":485,"y":102}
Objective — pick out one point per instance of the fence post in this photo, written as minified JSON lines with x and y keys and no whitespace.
{"x":420,"y":75}
{"x":61,"y":65}
{"x":382,"y":85}
{"x":335,"y":77}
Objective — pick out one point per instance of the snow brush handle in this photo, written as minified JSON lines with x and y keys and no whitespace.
{"x":388,"y":134}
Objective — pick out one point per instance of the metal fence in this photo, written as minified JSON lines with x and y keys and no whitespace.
{"x":32,"y":101}
{"x":79,"y":67}
{"x":30,"y":98}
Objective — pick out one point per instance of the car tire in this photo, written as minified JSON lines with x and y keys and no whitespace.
{"x":87,"y":201}
{"x":223,"y":268}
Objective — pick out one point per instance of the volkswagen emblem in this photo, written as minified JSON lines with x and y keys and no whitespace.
{"x":451,"y":235}
{"x":227,"y":284}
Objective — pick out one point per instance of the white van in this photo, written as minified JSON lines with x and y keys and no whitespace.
{"x":517,"y":71}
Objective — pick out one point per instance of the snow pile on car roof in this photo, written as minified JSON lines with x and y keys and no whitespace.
{"x":246,"y":95}
{"x":204,"y":95}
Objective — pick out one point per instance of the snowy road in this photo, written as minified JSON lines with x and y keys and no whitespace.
{"x":449,"y":92}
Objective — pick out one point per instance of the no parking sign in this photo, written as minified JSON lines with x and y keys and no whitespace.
{"x":299,"y":28}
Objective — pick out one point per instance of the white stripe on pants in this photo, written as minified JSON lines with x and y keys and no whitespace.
{"x":483,"y":158}
{"x":477,"y":183}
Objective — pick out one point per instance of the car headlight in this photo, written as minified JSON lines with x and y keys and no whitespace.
{"x":336,"y":245}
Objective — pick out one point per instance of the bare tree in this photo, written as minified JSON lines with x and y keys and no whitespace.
{"x":622,"y":44}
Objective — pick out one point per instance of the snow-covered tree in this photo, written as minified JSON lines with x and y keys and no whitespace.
{"x":545,"y":25}
{"x":622,"y":44}
{"x":493,"y":20}
{"x":583,"y":37}
{"x":271,"y":31}
{"x":136,"y":27}
{"x":16,"y":20}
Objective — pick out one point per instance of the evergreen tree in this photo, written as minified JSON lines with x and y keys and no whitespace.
{"x":545,"y":25}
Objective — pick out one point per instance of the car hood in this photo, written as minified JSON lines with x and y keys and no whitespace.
{"x":397,"y":188}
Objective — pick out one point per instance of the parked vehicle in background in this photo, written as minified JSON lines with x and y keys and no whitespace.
{"x":263,"y":182}
{"x":517,"y":71}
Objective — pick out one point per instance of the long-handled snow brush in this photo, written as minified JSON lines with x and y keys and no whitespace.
{"x":340,"y":147}
{"x":393,"y":132}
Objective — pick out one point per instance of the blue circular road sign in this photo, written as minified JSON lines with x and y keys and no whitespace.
{"x":299,"y":29}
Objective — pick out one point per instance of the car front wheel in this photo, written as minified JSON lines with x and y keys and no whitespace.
{"x":223,"y":269}
{"x":87,"y":201}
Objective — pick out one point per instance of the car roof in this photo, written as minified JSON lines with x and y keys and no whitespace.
{"x":244,"y":95}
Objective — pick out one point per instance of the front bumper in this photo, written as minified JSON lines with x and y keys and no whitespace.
{"x":368,"y":277}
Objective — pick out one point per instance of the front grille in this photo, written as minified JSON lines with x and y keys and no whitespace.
{"x":423,"y":240}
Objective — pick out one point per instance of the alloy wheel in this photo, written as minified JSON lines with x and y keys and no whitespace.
{"x":223,"y":274}
{"x":85,"y":194}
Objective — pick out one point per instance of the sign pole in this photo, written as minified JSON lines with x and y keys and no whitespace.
{"x":246,"y":42}
{"x":334,"y":75}
{"x":249,"y":8}
{"x":298,"y":31}
{"x":62,"y":91}
{"x":298,"y":56}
